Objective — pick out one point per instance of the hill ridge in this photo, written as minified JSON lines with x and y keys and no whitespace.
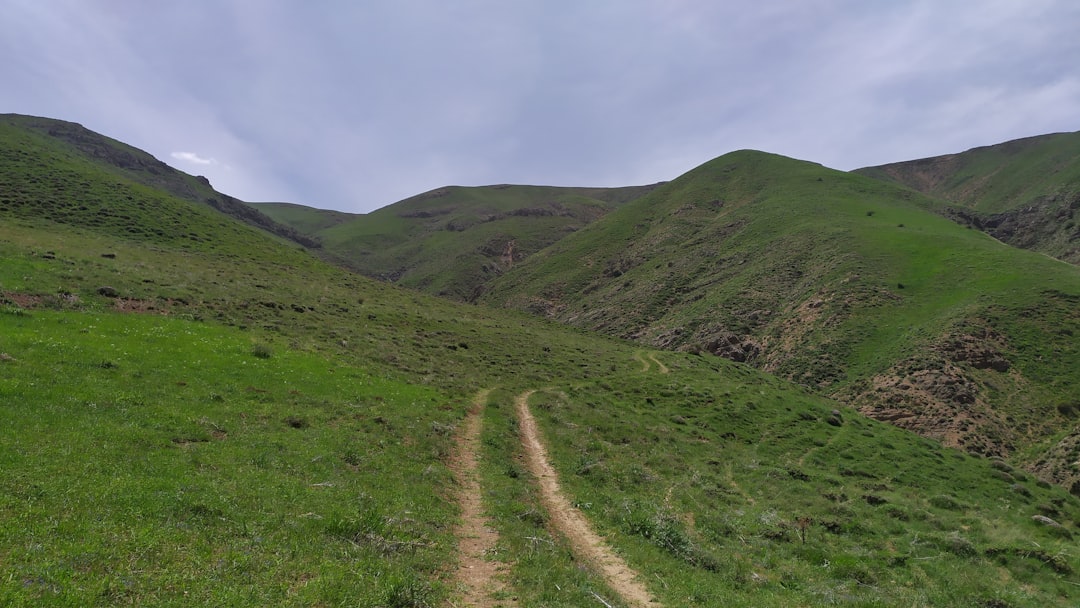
{"x":141,"y":167}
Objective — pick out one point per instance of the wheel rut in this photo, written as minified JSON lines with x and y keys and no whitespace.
{"x":584,"y":541}
{"x":480,"y":579}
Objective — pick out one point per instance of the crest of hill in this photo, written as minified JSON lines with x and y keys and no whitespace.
{"x":1024,"y":192}
{"x":849,"y":285}
{"x":234,"y":396}
{"x":41,"y":149}
{"x":452,"y":241}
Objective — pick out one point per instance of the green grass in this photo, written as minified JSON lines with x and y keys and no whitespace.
{"x":1024,"y":192}
{"x":994,"y":178}
{"x":701,"y":480}
{"x":833,"y":280}
{"x":272,"y":430}
{"x":154,"y":461}
{"x":305,"y":219}
{"x":452,"y":241}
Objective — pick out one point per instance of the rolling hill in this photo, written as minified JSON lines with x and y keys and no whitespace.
{"x":1024,"y":192}
{"x":31,"y":144}
{"x":198,"y":412}
{"x":452,"y":241}
{"x":846,"y":284}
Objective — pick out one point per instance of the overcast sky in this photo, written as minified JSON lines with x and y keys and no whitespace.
{"x":355,"y":104}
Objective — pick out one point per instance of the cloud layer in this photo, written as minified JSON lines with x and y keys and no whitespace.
{"x":353,"y":106}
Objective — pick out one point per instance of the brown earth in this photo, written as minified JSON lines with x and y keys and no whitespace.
{"x":480,"y":578}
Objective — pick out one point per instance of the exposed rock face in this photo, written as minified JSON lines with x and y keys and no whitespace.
{"x":726,"y":344}
{"x":979,"y":352}
{"x":938,"y":400}
{"x":1047,"y":224}
{"x":1061,"y":463}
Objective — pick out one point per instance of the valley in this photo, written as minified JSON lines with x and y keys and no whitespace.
{"x":724,"y":372}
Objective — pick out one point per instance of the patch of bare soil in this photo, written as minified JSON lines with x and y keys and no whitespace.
{"x":584,"y":541}
{"x":479,"y":577}
{"x":942,"y":403}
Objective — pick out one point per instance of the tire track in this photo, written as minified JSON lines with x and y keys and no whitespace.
{"x":663,"y":368}
{"x":640,"y":358}
{"x":644,"y":360}
{"x":480,"y":578}
{"x":584,"y":541}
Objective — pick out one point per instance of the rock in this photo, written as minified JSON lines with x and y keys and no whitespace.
{"x":979,"y":352}
{"x":730,"y":346}
{"x":108,"y":292}
{"x":1042,"y":519}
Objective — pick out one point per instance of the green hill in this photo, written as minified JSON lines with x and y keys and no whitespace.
{"x":1024,"y":192}
{"x":452,"y":241}
{"x":839,"y":282}
{"x":42,"y":156}
{"x":306,"y":220}
{"x":198,"y":413}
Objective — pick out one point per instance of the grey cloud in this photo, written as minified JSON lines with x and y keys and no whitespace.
{"x":355,"y":105}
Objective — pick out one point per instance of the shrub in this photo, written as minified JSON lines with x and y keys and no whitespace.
{"x":944,"y":501}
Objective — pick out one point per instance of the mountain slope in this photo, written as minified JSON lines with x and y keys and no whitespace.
{"x":306,"y":220}
{"x":1024,"y":192}
{"x":234,"y":422}
{"x":839,"y":282}
{"x":70,"y":149}
{"x":453,"y":240}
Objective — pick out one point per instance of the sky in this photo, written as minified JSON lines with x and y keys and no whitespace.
{"x":355,"y":104}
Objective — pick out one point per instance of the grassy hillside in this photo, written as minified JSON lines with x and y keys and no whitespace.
{"x":1024,"y":192}
{"x":452,"y":241}
{"x":305,"y":219}
{"x":43,"y":155}
{"x":838,"y":282}
{"x":227,"y":420}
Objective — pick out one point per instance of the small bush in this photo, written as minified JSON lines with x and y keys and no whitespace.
{"x":410,"y":593}
{"x":261,"y":351}
{"x":297,"y":422}
{"x":944,"y":501}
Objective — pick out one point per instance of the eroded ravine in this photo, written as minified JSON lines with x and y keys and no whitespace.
{"x":584,"y":541}
{"x":479,"y":578}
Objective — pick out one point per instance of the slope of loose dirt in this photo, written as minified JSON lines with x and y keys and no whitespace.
{"x":479,"y":578}
{"x":569,"y":521}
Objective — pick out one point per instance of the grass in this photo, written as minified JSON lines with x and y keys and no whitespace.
{"x":994,"y":178}
{"x":1025,"y":192}
{"x":833,"y":280}
{"x":702,"y":481}
{"x":246,"y":425}
{"x":153,"y":461}
{"x":452,"y":241}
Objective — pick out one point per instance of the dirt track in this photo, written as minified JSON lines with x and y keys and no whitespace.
{"x":585,"y":542}
{"x":480,"y":579}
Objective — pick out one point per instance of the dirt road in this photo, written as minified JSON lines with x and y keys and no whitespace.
{"x":586,"y":543}
{"x":481,"y":580}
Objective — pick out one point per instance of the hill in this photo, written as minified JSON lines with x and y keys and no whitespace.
{"x":42,"y":154}
{"x":845,"y":284}
{"x":1024,"y":192}
{"x":452,"y":241}
{"x":227,"y":420}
